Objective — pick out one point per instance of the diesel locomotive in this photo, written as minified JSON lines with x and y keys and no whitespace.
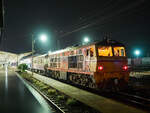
{"x":99,"y":65}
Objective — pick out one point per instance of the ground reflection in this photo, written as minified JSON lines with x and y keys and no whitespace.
{"x":15,"y":96}
{"x":6,"y":78}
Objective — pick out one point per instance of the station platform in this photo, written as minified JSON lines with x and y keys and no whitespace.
{"x":139,"y":74}
{"x":102,"y":104}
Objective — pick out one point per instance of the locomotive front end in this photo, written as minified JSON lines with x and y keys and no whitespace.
{"x":111,"y":70}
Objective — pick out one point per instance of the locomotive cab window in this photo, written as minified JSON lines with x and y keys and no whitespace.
{"x":119,"y":51}
{"x":105,"y":51}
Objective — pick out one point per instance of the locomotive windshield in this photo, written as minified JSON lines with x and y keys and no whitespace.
{"x":119,"y":51}
{"x":107,"y":51}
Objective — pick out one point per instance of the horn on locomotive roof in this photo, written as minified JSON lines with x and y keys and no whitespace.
{"x":107,"y":37}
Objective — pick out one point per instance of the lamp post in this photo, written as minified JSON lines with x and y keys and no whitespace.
{"x":33,"y":41}
{"x":43,"y":38}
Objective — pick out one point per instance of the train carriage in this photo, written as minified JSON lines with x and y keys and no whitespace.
{"x":39,"y":63}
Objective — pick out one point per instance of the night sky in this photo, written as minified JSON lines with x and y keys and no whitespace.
{"x":69,"y":21}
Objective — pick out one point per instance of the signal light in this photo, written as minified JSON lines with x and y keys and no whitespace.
{"x":100,"y":68}
{"x":125,"y":67}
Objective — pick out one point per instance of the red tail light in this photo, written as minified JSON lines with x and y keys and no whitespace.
{"x":125,"y":68}
{"x":100,"y":68}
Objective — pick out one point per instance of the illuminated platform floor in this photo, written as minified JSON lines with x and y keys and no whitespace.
{"x":100,"y":103}
{"x":15,"y":97}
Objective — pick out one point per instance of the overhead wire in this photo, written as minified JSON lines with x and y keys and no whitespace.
{"x":99,"y":18}
{"x":107,"y":17}
{"x":91,"y":14}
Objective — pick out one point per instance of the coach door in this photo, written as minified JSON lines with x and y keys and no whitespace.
{"x":87,"y":60}
{"x":90,"y":59}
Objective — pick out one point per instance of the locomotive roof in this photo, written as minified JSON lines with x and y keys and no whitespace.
{"x":105,"y":42}
{"x":108,"y":42}
{"x":30,"y":55}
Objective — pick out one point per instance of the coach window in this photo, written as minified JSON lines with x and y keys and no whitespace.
{"x":55,"y":59}
{"x":51,"y":59}
{"x":81,"y":58}
{"x":58,"y":59}
{"x":87,"y":52}
{"x":72,"y":53}
{"x":80,"y":51}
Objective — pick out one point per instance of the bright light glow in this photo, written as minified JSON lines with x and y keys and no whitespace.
{"x":137,"y":52}
{"x":100,"y":68}
{"x":125,"y":67}
{"x":86,"y":39}
{"x":6,"y":77}
{"x":49,"y":52}
{"x":43,"y":37}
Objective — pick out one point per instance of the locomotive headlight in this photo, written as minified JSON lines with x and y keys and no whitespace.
{"x":100,"y":68}
{"x":125,"y":68}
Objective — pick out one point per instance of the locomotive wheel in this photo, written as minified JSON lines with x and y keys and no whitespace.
{"x":100,"y":85}
{"x":73,"y":78}
{"x":57,"y":75}
{"x":92,"y":85}
{"x":47,"y":73}
{"x":52,"y":74}
{"x":108,"y":86}
{"x":123,"y":85}
{"x":70,"y":78}
{"x":115,"y":85}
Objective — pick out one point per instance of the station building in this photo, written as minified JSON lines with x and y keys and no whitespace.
{"x":8,"y":58}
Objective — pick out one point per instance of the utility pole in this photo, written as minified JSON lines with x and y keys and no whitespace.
{"x":33,"y":41}
{"x":1,"y":19}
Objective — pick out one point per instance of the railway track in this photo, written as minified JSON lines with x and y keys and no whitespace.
{"x":59,"y":107}
{"x":136,"y":100}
